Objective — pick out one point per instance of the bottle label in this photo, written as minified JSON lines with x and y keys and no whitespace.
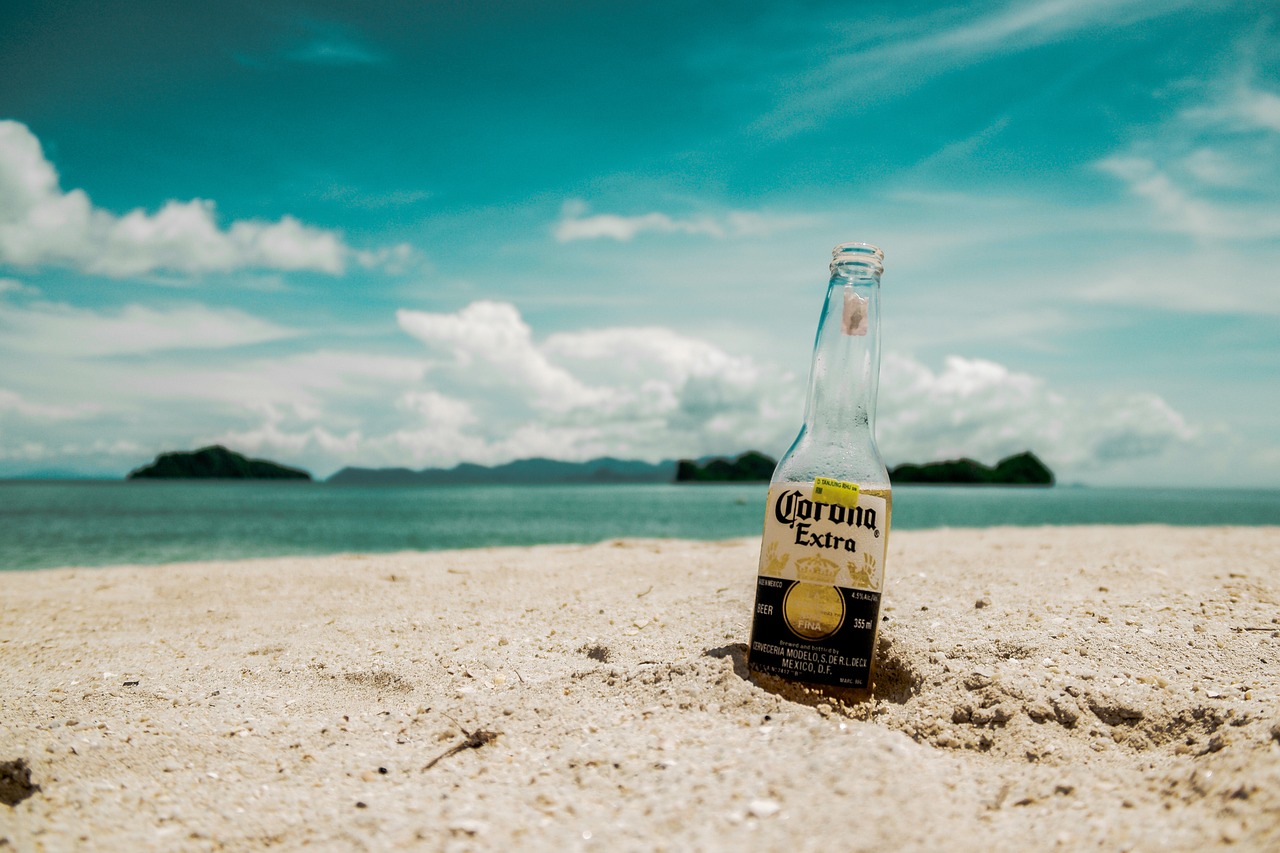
{"x":818,"y":590}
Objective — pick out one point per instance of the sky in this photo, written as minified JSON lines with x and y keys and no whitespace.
{"x":414,"y":234}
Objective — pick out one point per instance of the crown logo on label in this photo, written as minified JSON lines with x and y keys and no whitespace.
{"x":817,"y":569}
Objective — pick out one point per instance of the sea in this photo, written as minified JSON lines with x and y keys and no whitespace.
{"x":48,"y":523}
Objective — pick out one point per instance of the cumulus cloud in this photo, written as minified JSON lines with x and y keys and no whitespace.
{"x":485,"y":388}
{"x":40,"y":224}
{"x":653,"y":392}
{"x":984,"y":410}
{"x":576,"y":223}
{"x":667,"y":395}
{"x":648,"y":392}
{"x":495,"y":337}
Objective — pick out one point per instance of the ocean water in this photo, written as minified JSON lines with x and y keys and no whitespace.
{"x":93,"y":523}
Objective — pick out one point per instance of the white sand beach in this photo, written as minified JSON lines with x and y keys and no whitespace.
{"x":1113,"y":688}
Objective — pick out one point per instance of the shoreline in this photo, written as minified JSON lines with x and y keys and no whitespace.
{"x":161,"y":563}
{"x":1036,"y":687}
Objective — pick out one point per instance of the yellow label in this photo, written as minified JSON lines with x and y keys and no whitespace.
{"x":835,"y":492}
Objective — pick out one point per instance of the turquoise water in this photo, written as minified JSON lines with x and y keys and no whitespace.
{"x":60,"y":523}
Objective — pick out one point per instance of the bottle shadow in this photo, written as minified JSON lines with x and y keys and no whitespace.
{"x":893,"y":678}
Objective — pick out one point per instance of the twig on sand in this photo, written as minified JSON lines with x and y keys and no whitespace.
{"x":475,"y":740}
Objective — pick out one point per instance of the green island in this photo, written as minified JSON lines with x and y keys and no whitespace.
{"x":750,"y":467}
{"x":214,"y":463}
{"x":1021,"y":469}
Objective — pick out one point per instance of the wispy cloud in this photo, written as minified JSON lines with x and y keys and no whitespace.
{"x":1179,"y":211}
{"x":329,"y":43}
{"x":1211,"y":170}
{"x":873,"y":64}
{"x":1201,"y":281}
{"x":74,"y":332}
{"x":1245,"y":107}
{"x":12,"y":285}
{"x":41,"y":224}
{"x":11,"y":401}
{"x":577,"y":223}
{"x":354,"y":197}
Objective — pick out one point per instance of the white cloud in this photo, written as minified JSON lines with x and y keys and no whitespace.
{"x":332,"y":43}
{"x":493,"y":336}
{"x":272,"y":438}
{"x":1242,"y":108}
{"x":12,"y":285}
{"x":336,"y":51}
{"x":576,"y":223}
{"x":1214,"y":168}
{"x":355,"y":197}
{"x":874,"y":61}
{"x":1182,"y":212}
{"x":1210,"y":171}
{"x":645,"y":392}
{"x":342,"y":389}
{"x":66,"y":331}
{"x":489,"y":390}
{"x":441,"y":412}
{"x":695,"y":400}
{"x":983,"y":410}
{"x":114,"y":451}
{"x":40,"y":223}
{"x":626,"y":351}
{"x":1201,"y":281}
{"x":15,"y":403}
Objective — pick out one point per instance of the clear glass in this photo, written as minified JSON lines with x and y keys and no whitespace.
{"x":838,"y":436}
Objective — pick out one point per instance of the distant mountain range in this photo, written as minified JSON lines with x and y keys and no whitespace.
{"x":217,"y":462}
{"x":603,"y":470}
{"x":1023,"y":469}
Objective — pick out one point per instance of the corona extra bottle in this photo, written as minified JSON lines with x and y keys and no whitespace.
{"x":827,"y":519}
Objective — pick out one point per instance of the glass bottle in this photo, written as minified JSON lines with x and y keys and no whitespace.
{"x":827,"y":519}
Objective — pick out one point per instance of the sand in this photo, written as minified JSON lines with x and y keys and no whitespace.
{"x":1048,"y":688}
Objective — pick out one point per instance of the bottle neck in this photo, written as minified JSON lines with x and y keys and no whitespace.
{"x":845,"y":375}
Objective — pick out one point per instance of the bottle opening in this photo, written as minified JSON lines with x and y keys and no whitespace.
{"x":854,"y":258}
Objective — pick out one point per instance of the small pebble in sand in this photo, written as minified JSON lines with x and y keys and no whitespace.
{"x":764,"y":808}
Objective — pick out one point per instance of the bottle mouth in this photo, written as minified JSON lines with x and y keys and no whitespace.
{"x":852,"y":258}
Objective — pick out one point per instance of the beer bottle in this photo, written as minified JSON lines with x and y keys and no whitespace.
{"x":827,"y":519}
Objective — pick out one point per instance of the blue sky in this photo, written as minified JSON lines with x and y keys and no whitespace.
{"x":420,"y":233}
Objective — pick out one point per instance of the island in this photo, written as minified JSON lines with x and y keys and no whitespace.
{"x":214,"y":463}
{"x":750,"y":467}
{"x":1022,"y":469}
